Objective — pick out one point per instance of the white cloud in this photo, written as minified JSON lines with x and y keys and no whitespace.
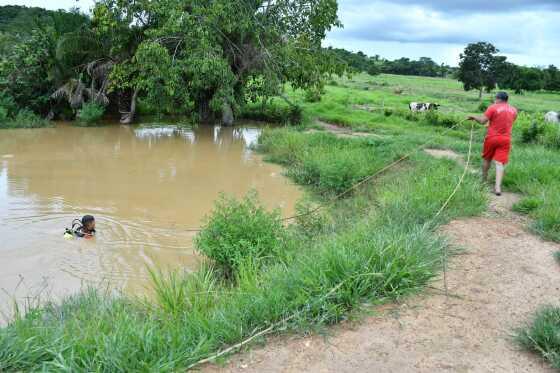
{"x":85,"y":5}
{"x":527,"y":31}
{"x":528,"y":36}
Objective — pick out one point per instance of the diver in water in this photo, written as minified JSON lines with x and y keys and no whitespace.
{"x":84,"y":228}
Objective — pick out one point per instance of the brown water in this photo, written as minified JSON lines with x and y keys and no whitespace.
{"x":145,"y":186}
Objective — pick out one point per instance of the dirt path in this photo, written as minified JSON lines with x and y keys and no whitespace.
{"x":503,"y":275}
{"x":343,"y":132}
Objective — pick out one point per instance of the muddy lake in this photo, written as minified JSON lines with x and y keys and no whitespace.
{"x":147,"y":186}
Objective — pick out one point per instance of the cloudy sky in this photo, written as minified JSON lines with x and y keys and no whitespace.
{"x":527,"y":31}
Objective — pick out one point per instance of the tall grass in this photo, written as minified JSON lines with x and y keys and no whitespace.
{"x":542,"y":335}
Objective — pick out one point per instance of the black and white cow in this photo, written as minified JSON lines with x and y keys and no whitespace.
{"x":416,"y":107}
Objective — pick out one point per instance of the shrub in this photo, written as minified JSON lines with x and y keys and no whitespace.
{"x":528,"y":205}
{"x":530,"y":134}
{"x":437,"y":119}
{"x":313,"y":94}
{"x":240,"y":230}
{"x":8,"y":107}
{"x":273,"y":113}
{"x":543,"y":335}
{"x":484,"y":105}
{"x":90,"y":113}
{"x":23,"y":119}
{"x":3,"y":115}
{"x":551,"y":136}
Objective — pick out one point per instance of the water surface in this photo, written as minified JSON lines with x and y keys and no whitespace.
{"x":146,"y":186}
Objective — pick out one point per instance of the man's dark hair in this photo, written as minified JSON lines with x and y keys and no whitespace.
{"x":87,"y":219}
{"x":502,"y":96}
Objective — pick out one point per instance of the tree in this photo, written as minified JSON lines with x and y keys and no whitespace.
{"x":29,"y":68}
{"x":552,"y":78}
{"x":519,"y":78}
{"x":477,"y":67}
{"x":206,"y":56}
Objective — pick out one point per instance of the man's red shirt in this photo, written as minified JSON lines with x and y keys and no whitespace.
{"x":501,"y":116}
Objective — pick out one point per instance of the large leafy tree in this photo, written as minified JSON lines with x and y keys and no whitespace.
{"x":210,"y":57}
{"x":477,"y":67}
{"x":29,"y":68}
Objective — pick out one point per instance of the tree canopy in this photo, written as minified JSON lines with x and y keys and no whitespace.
{"x":477,"y":67}
{"x":188,"y":56}
{"x":207,"y":59}
{"x":482,"y":68}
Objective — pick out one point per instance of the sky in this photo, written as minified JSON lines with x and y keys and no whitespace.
{"x":526,"y":31}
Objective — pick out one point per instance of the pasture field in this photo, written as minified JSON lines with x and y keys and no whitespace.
{"x":375,"y":245}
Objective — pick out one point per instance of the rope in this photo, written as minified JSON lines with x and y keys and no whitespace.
{"x":446,"y":204}
{"x":268,"y":330}
{"x":274,"y":326}
{"x":365,"y":180}
{"x":374,"y":175}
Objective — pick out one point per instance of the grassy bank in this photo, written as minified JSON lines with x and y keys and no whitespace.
{"x":380,"y":105}
{"x":379,"y":244}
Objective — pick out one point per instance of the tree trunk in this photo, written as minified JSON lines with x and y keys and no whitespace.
{"x":128,"y":117}
{"x":227,"y":115}
{"x":480,"y":95}
{"x":205,"y":114}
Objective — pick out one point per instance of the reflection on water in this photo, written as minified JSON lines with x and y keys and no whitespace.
{"x":146,"y":186}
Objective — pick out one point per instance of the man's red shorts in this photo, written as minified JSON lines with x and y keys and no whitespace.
{"x":497,"y":148}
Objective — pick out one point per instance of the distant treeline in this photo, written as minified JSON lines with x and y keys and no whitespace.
{"x":374,"y":65}
{"x":503,"y":73}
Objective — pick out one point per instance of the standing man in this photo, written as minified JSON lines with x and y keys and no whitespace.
{"x":497,"y":144}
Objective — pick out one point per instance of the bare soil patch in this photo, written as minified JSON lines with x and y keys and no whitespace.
{"x":343,"y":131}
{"x":495,"y":284}
{"x":447,"y":154}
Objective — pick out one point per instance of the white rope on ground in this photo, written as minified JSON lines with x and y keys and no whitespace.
{"x":363,"y":181}
{"x":446,"y":204}
{"x":377,"y":173}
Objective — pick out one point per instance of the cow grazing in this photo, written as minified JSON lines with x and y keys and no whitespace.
{"x":552,"y":117}
{"x":417,"y":107}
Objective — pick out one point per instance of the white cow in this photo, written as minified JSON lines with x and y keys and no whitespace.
{"x":416,"y":107}
{"x":552,"y":117}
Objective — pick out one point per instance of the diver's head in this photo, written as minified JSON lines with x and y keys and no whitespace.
{"x":88,"y":222}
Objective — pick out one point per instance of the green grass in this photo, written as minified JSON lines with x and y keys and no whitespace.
{"x":377,"y":244}
{"x":380,"y":245}
{"x":23,"y":119}
{"x":542,"y":335}
{"x":89,"y":114}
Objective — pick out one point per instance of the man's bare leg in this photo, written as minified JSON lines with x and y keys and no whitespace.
{"x":500,"y":170}
{"x":485,"y":168}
